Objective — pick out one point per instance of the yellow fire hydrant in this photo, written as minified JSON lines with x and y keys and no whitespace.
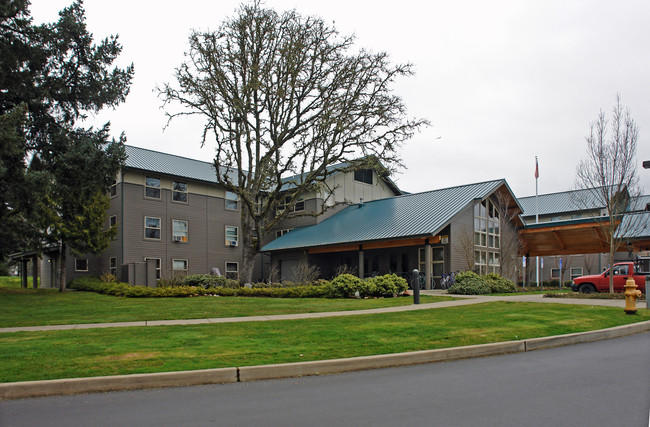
{"x":631,"y":294}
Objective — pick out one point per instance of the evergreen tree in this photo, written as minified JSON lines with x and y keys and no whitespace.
{"x":51,"y":76}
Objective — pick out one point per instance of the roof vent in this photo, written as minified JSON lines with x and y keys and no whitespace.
{"x":360,"y":201}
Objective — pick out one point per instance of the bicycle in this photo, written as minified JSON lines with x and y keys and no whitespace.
{"x":447,"y":281}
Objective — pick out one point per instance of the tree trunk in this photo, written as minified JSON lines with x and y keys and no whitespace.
{"x":249,"y":248}
{"x":611,"y":266}
{"x":62,"y":263}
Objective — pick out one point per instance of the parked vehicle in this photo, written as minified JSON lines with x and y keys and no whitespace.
{"x":600,"y":282}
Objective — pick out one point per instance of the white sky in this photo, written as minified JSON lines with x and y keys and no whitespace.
{"x":501,"y":81}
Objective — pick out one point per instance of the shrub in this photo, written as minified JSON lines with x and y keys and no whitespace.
{"x":347,"y":285}
{"x":498,"y":284}
{"x":388,"y":285}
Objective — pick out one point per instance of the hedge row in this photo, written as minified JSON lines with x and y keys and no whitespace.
{"x":470,"y":283}
{"x":344,"y":286}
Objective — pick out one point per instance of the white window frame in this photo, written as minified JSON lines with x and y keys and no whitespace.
{"x":112,"y":220}
{"x":280,"y":233}
{"x":179,"y":192}
{"x":159,"y":228}
{"x":229,"y":199}
{"x":555,"y":274}
{"x":76,"y":266}
{"x":364,"y":173}
{"x":175,"y":260}
{"x":147,"y":187}
{"x":574,"y":275}
{"x":113,"y":189}
{"x":158,"y":265}
{"x":228,"y":241}
{"x":179,"y":237}
{"x":229,"y":273}
{"x":112,"y":265}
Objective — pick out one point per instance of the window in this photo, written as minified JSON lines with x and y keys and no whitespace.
{"x":232,"y":270}
{"x":179,"y":230}
{"x":555,"y":273}
{"x":80,"y":264}
{"x":112,"y":265}
{"x":179,"y":265}
{"x":112,"y":221}
{"x":232,"y":201}
{"x":232,"y":235}
{"x":113,"y":190}
{"x":151,"y":228}
{"x":179,"y":192}
{"x":363,"y":175}
{"x":280,"y":233}
{"x":152,"y":188}
{"x":576,"y":272}
{"x":487,"y":234}
{"x":157,"y":265}
{"x":480,"y":262}
{"x":299,"y":205}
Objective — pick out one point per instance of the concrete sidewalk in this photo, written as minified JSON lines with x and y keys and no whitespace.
{"x":460,"y":301}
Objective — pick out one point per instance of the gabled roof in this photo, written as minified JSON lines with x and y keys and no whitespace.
{"x":634,"y":226}
{"x":169,"y":164}
{"x":412,"y":215}
{"x":335,"y":169}
{"x":557,"y":203}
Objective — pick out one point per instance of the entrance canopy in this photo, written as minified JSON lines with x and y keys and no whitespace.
{"x":584,"y":236}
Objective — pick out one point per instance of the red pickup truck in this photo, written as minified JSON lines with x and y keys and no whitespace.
{"x":600,"y":282}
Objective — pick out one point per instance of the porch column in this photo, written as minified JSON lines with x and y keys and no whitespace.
{"x":23,"y":273}
{"x":427,"y":265}
{"x":360,"y":263}
{"x":35,"y":271}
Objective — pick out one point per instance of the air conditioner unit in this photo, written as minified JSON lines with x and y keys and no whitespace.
{"x":177,"y":238}
{"x":232,"y":242}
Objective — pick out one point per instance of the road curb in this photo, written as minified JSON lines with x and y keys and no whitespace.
{"x":26,"y":389}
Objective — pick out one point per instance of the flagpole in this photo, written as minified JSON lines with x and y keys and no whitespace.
{"x":536,"y":216}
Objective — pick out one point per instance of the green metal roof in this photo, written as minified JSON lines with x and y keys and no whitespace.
{"x":557,"y":203}
{"x":412,"y":215}
{"x":634,"y":226}
{"x":155,"y":161}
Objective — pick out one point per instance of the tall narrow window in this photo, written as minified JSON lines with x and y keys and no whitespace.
{"x":152,"y":188}
{"x":112,"y":265}
{"x":232,"y":270}
{"x":151,"y":228}
{"x":179,"y":192}
{"x":114,"y":188}
{"x":179,"y":230}
{"x":232,"y":201}
{"x":232,"y":235}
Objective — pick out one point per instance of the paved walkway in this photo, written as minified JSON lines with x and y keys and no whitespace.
{"x":460,"y":301}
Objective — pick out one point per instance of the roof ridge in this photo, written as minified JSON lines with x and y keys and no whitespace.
{"x":560,"y":192}
{"x":169,"y":154}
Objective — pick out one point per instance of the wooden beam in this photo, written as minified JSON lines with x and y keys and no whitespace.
{"x":384,"y":244}
{"x":559,"y":239}
{"x":337,"y":248}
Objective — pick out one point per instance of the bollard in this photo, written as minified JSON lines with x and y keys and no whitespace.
{"x":415,"y":284}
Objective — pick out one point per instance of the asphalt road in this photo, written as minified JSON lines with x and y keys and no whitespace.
{"x":605,"y":383}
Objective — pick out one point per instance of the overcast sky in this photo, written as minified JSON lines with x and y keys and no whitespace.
{"x":500,"y":81}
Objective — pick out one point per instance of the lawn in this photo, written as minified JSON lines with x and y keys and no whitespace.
{"x":35,"y":307}
{"x":95,"y":352}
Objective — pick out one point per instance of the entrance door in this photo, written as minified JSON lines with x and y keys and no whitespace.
{"x":437,"y":263}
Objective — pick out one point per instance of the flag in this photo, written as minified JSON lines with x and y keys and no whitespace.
{"x":536,"y":168}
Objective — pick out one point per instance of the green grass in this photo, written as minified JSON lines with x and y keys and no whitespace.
{"x":94,"y":352}
{"x":14,"y":281}
{"x":35,"y":307}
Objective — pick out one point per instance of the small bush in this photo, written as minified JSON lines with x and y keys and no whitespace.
{"x":388,"y":285}
{"x":347,"y":285}
{"x":470,"y":283}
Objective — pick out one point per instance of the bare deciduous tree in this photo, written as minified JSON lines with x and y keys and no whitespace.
{"x":464,"y":247}
{"x":286,"y":95}
{"x":511,"y":244}
{"x":609,"y":174}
